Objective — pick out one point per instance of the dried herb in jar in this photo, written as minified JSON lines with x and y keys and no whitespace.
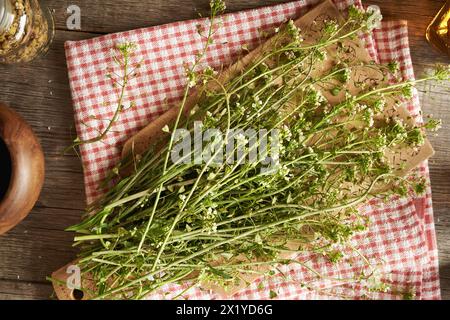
{"x":26,"y":30}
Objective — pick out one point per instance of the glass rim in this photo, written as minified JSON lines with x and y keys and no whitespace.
{"x":6,"y":15}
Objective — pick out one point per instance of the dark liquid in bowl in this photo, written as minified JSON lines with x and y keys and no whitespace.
{"x":5,"y":169}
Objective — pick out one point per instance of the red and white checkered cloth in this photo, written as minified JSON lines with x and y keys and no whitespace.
{"x":401,"y":240}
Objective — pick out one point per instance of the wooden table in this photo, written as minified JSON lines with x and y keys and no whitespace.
{"x":40,"y":92}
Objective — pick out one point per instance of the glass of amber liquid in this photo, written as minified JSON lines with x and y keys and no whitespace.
{"x":438,"y":32}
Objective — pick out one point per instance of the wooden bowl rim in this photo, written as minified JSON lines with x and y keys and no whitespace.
{"x":27,"y":168}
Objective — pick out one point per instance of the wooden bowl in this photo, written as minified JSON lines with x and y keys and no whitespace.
{"x":27,"y":169}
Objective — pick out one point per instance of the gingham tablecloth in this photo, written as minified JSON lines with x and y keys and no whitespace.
{"x":401,"y":240}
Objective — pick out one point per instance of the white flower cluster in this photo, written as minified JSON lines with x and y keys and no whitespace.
{"x":316,"y":96}
{"x":294,"y":32}
{"x":375,"y":17}
{"x":368,"y":116}
{"x":285,"y":172}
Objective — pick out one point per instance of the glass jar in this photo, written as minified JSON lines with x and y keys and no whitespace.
{"x":438,"y":32}
{"x":26,"y":30}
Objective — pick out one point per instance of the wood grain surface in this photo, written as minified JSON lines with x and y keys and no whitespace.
{"x":40,"y":93}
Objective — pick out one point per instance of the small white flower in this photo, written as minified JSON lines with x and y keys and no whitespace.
{"x":287,"y":133}
{"x":166,"y":129}
{"x":241,"y":138}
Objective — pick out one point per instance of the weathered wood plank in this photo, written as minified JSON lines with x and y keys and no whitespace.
{"x":21,"y":290}
{"x":38,"y":246}
{"x":63,"y":186}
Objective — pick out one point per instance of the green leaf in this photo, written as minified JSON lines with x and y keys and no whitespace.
{"x":273,"y":294}
{"x":166,"y":129}
{"x":220,"y":273}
